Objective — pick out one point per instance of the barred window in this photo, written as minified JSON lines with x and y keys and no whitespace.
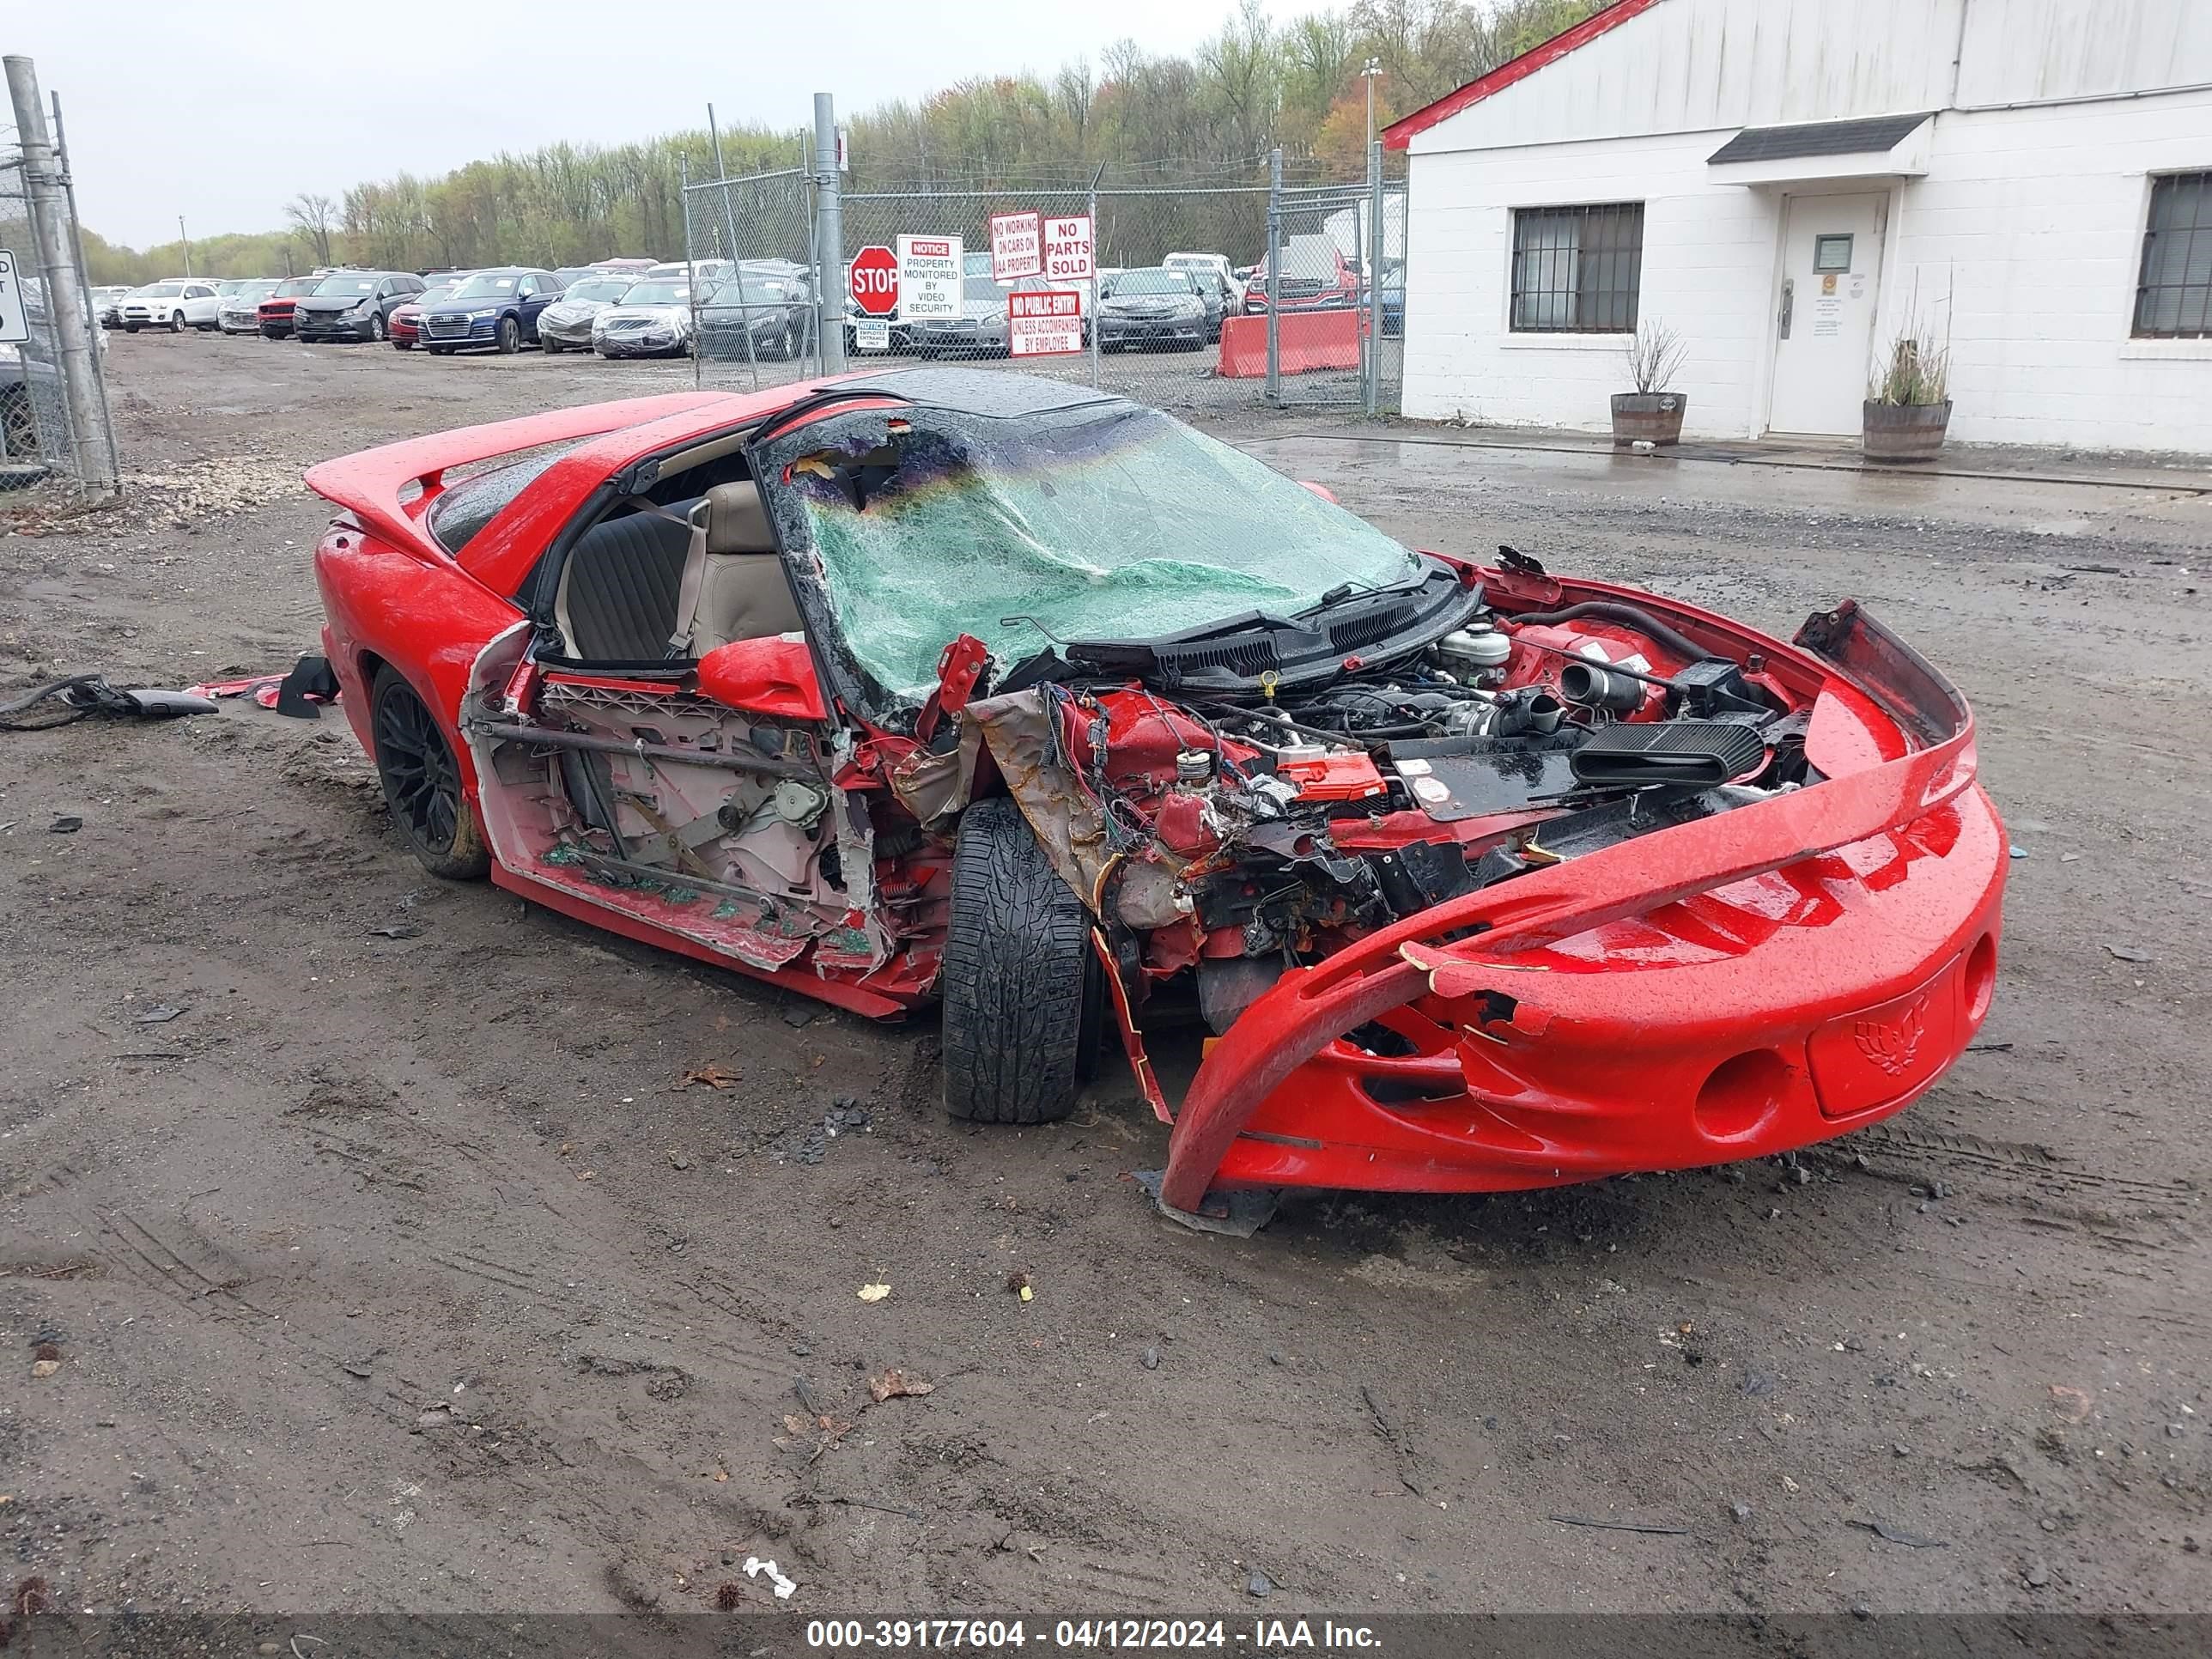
{"x":2173,"y":299}
{"x":1577,"y":269}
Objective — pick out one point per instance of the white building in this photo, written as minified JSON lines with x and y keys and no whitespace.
{"x":1791,"y":184}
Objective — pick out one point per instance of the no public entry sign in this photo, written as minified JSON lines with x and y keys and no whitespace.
{"x":1045,"y":323}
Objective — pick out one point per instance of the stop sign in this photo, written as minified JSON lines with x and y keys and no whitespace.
{"x":875,"y":281}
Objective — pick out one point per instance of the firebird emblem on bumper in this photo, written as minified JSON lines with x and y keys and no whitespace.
{"x":1891,"y":1044}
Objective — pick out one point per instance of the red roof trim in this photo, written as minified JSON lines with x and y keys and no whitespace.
{"x":1399,"y":133}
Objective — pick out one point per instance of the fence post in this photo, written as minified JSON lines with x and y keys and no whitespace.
{"x":43,"y":193}
{"x":1274,"y":275}
{"x":1096,"y":328}
{"x":829,"y":238}
{"x":690,"y":266}
{"x":112,"y":478}
{"x":729,"y":227}
{"x":1370,"y":396}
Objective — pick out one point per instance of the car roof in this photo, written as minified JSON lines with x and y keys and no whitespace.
{"x":977,"y":391}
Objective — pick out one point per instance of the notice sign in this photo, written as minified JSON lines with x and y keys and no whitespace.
{"x":1017,"y":245}
{"x":1047,"y":323}
{"x":14,"y":324}
{"x":929,"y":278}
{"x":1067,"y":249}
{"x":872,"y":334}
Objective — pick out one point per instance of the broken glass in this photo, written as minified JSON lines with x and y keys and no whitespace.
{"x":1107,"y":522}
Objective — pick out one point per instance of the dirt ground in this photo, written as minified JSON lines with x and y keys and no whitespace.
{"x":393,"y":1269}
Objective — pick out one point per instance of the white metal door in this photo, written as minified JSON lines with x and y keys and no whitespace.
{"x":1824,"y":315}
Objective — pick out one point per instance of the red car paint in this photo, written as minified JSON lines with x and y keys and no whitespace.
{"x":405,"y":324}
{"x":1740,"y":985}
{"x":274,"y":315}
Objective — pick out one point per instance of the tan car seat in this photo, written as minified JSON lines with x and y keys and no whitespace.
{"x":742,"y":593}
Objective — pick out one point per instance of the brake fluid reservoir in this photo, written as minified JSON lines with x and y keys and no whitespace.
{"x":1478,"y":646}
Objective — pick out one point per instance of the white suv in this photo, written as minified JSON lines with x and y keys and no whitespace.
{"x":172,"y":304}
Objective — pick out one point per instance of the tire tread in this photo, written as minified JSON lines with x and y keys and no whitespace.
{"x":1017,"y":952}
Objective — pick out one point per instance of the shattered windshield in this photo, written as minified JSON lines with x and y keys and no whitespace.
{"x":1113,"y":523}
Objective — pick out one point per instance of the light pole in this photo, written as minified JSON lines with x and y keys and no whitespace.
{"x":187,"y":240}
{"x":1374,"y":68}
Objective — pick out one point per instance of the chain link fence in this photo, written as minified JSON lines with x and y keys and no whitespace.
{"x":1203,"y":337}
{"x":38,"y":442}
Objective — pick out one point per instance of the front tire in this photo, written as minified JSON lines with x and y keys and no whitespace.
{"x":510,"y":337}
{"x":1021,"y":982}
{"x":551,"y":344}
{"x":378,"y":328}
{"x":422,"y":782}
{"x":130,"y":328}
{"x":176,"y":322}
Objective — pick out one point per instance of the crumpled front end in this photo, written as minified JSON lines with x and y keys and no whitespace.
{"x":1596,"y":885}
{"x":1748,"y":983}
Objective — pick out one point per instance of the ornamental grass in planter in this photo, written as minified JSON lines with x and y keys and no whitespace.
{"x":1652,"y":413}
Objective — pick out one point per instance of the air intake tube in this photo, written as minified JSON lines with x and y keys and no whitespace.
{"x":1595,"y":687}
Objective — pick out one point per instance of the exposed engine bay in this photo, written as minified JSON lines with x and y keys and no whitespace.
{"x":1239,"y":823}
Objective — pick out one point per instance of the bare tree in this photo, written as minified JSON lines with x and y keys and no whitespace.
{"x":317,"y":217}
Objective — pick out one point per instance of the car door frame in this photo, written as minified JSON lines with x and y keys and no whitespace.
{"x":546,"y":287}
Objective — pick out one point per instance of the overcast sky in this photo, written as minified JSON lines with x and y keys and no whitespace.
{"x":223,"y":112}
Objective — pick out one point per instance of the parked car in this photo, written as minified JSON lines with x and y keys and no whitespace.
{"x":354,"y":304}
{"x":1218,"y":264}
{"x":1315,"y":276}
{"x":651,"y":319}
{"x":1222,"y":299}
{"x":770,"y":298}
{"x":405,"y":323}
{"x":1749,"y":891}
{"x":566,"y":324}
{"x":274,"y":314}
{"x":1151,"y":306}
{"x":498,"y":309}
{"x":705,"y":272}
{"x":176,"y":303}
{"x":979,"y":330}
{"x":241,"y":310}
{"x":108,"y":305}
{"x":1392,"y":281}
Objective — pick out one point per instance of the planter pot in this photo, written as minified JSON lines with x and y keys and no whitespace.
{"x":1905,"y":432}
{"x":1654,"y":417}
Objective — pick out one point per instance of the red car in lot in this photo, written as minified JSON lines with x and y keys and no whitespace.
{"x":407,"y":321}
{"x":934,"y":685}
{"x":1315,"y":277}
{"x":275,"y":313}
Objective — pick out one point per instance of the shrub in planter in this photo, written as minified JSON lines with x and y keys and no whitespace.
{"x":1908,"y":406}
{"x":1650,"y":414}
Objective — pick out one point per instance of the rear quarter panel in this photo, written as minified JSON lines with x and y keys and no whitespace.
{"x":427,"y":618}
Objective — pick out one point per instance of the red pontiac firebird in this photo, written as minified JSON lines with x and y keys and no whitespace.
{"x":941,"y":685}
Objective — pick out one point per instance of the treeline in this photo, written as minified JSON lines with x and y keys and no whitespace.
{"x":1210,"y":118}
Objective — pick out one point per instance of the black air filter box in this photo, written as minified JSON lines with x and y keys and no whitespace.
{"x":1696,"y":754}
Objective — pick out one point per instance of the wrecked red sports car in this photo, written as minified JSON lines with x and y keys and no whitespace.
{"x":956,"y":686}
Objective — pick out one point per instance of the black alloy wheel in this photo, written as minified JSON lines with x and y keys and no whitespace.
{"x":422,"y":782}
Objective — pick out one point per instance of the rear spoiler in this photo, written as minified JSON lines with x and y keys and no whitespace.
{"x":389,"y":489}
